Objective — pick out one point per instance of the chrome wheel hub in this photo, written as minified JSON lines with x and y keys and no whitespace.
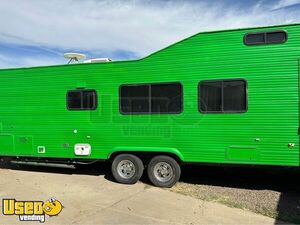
{"x":163,"y":172}
{"x":126,"y":169}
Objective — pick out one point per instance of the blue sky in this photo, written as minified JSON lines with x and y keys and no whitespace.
{"x":35,"y":32}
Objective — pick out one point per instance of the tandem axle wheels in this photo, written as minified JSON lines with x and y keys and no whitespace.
{"x":163,"y":171}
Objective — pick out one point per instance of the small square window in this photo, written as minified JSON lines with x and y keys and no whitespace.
{"x":82,"y":100}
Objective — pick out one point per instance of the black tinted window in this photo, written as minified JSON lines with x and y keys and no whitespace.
{"x":82,"y":100}
{"x":135,"y":99}
{"x":276,"y":37}
{"x":234,"y":95}
{"x":272,"y":37}
{"x":151,"y":98}
{"x":255,"y":39}
{"x":166,"y":98}
{"x":74,"y":100}
{"x":211,"y":96}
{"x":223,"y":96}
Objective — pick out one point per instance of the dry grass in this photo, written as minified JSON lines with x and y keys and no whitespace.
{"x":273,"y":193}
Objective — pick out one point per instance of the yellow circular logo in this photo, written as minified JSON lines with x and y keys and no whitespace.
{"x":52,"y":207}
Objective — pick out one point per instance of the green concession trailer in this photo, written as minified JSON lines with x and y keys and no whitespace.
{"x":225,"y":97}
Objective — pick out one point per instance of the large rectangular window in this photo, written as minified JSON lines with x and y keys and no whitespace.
{"x":82,"y":99}
{"x":151,"y":98}
{"x":223,"y":96}
{"x":135,"y":99}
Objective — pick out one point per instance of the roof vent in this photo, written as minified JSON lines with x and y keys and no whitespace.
{"x":98,"y":60}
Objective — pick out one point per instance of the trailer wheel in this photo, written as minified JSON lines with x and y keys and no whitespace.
{"x":163,"y":171}
{"x":127,"y":168}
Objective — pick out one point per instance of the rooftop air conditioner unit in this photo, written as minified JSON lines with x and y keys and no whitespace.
{"x":98,"y":60}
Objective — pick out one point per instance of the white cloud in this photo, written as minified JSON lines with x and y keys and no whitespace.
{"x":8,"y":61}
{"x":130,"y":25}
{"x":285,"y":3}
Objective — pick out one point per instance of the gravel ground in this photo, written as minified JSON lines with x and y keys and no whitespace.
{"x":274,"y":193}
{"x":270,"y":192}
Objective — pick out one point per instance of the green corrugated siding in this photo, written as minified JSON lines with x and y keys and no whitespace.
{"x":33,"y":104}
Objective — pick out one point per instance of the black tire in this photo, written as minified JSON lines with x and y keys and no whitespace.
{"x":172,"y":177}
{"x":120,"y":174}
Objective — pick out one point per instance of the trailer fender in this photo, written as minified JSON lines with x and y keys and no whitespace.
{"x":147,"y":149}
